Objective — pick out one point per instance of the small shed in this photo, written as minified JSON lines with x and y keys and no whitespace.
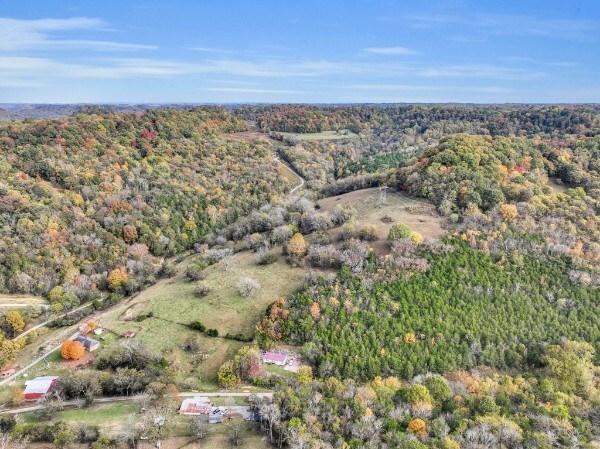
{"x":215,"y":418}
{"x":88,"y":343}
{"x":275,"y":358}
{"x":129,"y":334}
{"x":39,"y":387}
{"x":198,"y":405}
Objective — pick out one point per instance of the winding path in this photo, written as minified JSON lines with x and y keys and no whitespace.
{"x":294,"y":172}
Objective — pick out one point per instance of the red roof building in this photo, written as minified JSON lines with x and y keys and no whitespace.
{"x":198,"y":405}
{"x":275,"y":358}
{"x":39,"y":387}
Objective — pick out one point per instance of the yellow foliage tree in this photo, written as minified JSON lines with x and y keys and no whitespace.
{"x":305,"y":374}
{"x":410,"y":338}
{"x":449,"y":443}
{"x":296,"y":247}
{"x":15,"y":321}
{"x":416,"y":237}
{"x":509,"y":212}
{"x":72,"y":350}
{"x":117,"y":278}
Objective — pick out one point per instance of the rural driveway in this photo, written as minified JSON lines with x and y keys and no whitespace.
{"x":140,"y":397}
{"x":294,"y":172}
{"x":35,"y":362}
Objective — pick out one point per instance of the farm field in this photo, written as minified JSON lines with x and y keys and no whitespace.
{"x":325,"y":135}
{"x":417,"y":214}
{"x":174,"y":304}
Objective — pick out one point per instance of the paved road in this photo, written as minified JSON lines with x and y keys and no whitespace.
{"x":35,"y":362}
{"x":22,"y":334}
{"x":224,"y":394}
{"x":140,"y":397}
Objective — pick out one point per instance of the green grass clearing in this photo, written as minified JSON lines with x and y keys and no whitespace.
{"x":109,"y":415}
{"x":417,"y":214}
{"x":174,"y":305}
{"x":324,"y":135}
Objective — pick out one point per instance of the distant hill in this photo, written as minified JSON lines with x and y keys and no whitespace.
{"x":23,"y":111}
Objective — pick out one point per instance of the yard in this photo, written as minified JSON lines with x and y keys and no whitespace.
{"x":113,"y":417}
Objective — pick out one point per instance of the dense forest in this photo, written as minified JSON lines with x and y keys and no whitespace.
{"x":387,"y":135}
{"x":462,"y":409}
{"x":85,"y":195}
{"x":466,"y":309}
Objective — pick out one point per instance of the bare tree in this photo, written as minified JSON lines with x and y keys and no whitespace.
{"x":271,"y":416}
{"x":248,"y":287}
{"x":7,"y":441}
{"x":199,"y":426}
{"x":154,"y":424}
{"x":236,"y":431}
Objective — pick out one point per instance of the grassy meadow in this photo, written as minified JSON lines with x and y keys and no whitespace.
{"x":324,"y":135}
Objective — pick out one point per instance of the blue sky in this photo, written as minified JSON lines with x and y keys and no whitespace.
{"x":300,"y":51}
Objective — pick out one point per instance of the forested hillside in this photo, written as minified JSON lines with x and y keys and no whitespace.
{"x":86,"y":195}
{"x":553,"y":408}
{"x":388,"y":135}
{"x":454,"y":310}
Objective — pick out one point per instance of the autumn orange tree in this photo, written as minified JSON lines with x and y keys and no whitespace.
{"x":89,"y":327}
{"x":417,"y":426}
{"x":72,"y":350}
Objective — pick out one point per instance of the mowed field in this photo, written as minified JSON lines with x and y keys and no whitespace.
{"x":325,"y":135}
{"x":417,"y":214}
{"x":174,"y":304}
{"x":8,"y":300}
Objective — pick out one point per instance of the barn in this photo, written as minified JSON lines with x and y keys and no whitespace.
{"x":39,"y":387}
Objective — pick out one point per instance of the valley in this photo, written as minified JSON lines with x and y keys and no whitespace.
{"x":259,"y":267}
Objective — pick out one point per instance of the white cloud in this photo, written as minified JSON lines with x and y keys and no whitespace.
{"x":252,"y":91}
{"x":21,"y":35}
{"x":426,"y":88}
{"x":507,"y":24}
{"x":481,"y":71}
{"x":391,"y":51}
